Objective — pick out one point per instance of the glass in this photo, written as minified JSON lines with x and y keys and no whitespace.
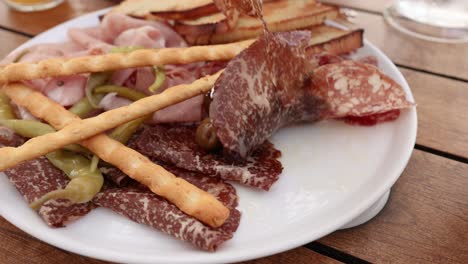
{"x":434,"y":20}
{"x":32,"y":5}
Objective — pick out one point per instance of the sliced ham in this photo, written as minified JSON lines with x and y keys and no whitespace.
{"x":114,"y":24}
{"x":22,"y":113}
{"x":175,"y":144}
{"x":140,"y":79}
{"x":42,"y":52}
{"x":111,"y":101}
{"x":90,"y":39}
{"x":145,"y":36}
{"x":120,"y":30}
{"x":66,"y":90}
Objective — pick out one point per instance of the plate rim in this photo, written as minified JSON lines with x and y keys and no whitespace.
{"x":282,"y":246}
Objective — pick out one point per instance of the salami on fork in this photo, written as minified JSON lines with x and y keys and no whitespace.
{"x":273,"y":83}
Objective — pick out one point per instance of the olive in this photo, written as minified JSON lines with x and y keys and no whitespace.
{"x":206,"y":135}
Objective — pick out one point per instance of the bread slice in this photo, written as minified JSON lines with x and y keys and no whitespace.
{"x":280,"y":15}
{"x":334,"y":40}
{"x":167,"y":9}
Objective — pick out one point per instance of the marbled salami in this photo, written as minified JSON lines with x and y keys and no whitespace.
{"x":37,"y":177}
{"x":261,"y":90}
{"x":355,"y":89}
{"x":175,"y":144}
{"x":141,"y":205}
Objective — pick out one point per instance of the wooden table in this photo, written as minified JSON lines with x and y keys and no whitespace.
{"x":426,"y":218}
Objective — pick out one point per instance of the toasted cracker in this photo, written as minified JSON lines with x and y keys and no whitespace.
{"x":281,"y":15}
{"x":116,"y":61}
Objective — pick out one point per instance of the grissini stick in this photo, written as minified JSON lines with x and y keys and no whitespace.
{"x":115,"y":61}
{"x":185,"y":196}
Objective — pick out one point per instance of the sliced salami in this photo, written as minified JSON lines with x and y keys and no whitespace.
{"x":37,"y":177}
{"x":260,"y":92}
{"x":372,"y":120}
{"x":142,"y":206}
{"x":175,"y":144}
{"x":355,"y":89}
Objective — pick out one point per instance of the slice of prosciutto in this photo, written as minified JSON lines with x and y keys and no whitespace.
{"x":37,"y":177}
{"x":142,"y":206}
{"x":175,"y":144}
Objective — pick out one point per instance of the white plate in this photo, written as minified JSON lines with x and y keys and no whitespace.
{"x":333,"y":172}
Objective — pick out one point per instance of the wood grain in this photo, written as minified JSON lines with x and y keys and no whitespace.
{"x":442,"y":112}
{"x":37,"y":22}
{"x":9,"y":41}
{"x":440,"y":58}
{"x":18,"y":247}
{"x":425,"y":220}
{"x":296,"y":256}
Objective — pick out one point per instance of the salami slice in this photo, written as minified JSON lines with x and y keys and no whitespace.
{"x":355,"y":89}
{"x":37,"y":177}
{"x":142,"y":206}
{"x":261,"y":90}
{"x":175,"y":144}
{"x":374,"y":119}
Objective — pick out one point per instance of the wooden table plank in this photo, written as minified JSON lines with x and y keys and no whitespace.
{"x":295,"y":256}
{"x":425,"y":220}
{"x":19,"y":247}
{"x":442,"y":112}
{"x":440,"y":58}
{"x":44,"y":20}
{"x":9,"y":41}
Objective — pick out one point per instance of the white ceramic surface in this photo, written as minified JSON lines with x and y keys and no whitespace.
{"x":333,"y":173}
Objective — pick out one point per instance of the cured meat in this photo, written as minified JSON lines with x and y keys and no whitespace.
{"x":60,"y":212}
{"x":111,"y":101}
{"x":371,"y":60}
{"x":356,"y":89}
{"x":190,"y":110}
{"x":322,"y":58}
{"x":175,"y":144}
{"x":37,"y":177}
{"x":66,"y":90}
{"x":372,"y":120}
{"x":115,"y":175}
{"x":8,"y":138}
{"x":258,"y":92}
{"x":142,"y":206}
{"x":114,"y":24}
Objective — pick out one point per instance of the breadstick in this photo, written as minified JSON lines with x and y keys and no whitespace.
{"x":82,"y":129}
{"x":184,"y":195}
{"x":115,"y":61}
